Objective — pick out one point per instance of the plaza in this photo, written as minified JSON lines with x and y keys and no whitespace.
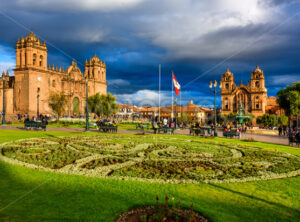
{"x":149,"y":111}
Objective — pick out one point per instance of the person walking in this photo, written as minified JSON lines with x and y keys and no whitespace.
{"x":154,"y":126}
{"x":280,"y":130}
{"x":240,"y":132}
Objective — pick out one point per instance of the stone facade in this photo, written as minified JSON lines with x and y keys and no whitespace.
{"x":252,"y":97}
{"x":33,"y":75}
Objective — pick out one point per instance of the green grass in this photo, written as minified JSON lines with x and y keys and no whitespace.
{"x":58,"y":197}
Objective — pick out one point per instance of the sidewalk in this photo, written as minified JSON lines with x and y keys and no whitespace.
{"x":257,"y":137}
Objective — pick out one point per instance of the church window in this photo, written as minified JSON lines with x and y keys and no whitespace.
{"x":41,"y":60}
{"x":34,"y":58}
{"x":53,"y":83}
{"x":227,"y":86}
{"x":226,"y":107}
{"x":226,"y":98}
{"x":257,"y":97}
{"x":257,"y":84}
{"x":257,"y":106}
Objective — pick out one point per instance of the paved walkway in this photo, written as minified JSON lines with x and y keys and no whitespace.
{"x":258,"y":137}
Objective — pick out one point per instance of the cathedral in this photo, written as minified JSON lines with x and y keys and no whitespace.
{"x":34,"y":80}
{"x":252,"y":97}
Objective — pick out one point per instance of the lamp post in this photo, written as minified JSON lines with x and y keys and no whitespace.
{"x":87,"y":127}
{"x":38,"y":102}
{"x":3,"y":107}
{"x":213,"y":88}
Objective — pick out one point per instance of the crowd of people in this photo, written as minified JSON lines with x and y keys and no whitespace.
{"x":287,"y":131}
{"x":106,"y":122}
{"x":39,"y":119}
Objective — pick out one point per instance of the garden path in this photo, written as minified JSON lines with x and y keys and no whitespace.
{"x":258,"y":137}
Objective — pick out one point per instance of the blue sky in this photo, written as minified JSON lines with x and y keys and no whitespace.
{"x":197,"y":40}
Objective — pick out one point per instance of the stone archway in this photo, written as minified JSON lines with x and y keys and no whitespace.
{"x":75,"y":104}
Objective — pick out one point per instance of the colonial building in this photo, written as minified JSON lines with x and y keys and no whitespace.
{"x":192,"y":111}
{"x":125,"y":111}
{"x":33,"y":77}
{"x":252,"y":97}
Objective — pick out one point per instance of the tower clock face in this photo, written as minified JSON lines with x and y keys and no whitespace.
{"x":39,"y":79}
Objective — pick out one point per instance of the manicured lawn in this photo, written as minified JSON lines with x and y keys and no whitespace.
{"x":55,"y":197}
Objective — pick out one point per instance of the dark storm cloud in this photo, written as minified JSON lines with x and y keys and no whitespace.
{"x":191,"y":38}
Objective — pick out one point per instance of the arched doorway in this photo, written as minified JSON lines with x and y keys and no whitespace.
{"x":76,"y":106}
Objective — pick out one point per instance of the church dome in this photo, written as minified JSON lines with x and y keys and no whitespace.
{"x":95,"y":59}
{"x":32,"y":38}
{"x":257,"y":73}
{"x":227,"y":75}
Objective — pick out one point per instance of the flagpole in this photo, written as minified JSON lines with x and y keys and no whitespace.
{"x":180,"y":107}
{"x":172,"y":97}
{"x":159,"y":71}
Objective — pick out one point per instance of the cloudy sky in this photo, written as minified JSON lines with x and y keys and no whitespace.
{"x":196,"y":39}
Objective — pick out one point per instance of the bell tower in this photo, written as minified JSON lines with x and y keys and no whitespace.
{"x":258,"y":80}
{"x":95,"y":69}
{"x":228,"y":85}
{"x":258,"y":91}
{"x":30,"y":74}
{"x":227,"y":82}
{"x":31,"y":53}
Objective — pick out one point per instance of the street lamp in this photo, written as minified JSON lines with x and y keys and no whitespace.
{"x":3,"y":107}
{"x":38,"y":102}
{"x":213,"y":88}
{"x":87,"y":127}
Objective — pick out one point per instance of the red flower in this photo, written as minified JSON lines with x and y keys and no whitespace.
{"x":192,"y":208}
{"x":167,"y":198}
{"x":157,"y":198}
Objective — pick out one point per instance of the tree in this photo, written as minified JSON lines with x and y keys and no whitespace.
{"x":283,"y":120}
{"x":267,"y":120}
{"x":294,"y":100}
{"x":95,"y":104}
{"x":289,"y":99}
{"x":57,"y":103}
{"x":102,"y":105}
{"x":183,"y":118}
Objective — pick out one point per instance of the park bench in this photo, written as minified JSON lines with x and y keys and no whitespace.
{"x":200,"y":131}
{"x":144,"y":126}
{"x":108,"y":129}
{"x":230,"y":134}
{"x":35,"y":125}
{"x":166,"y":130}
{"x":197,"y":131}
{"x":294,"y":139}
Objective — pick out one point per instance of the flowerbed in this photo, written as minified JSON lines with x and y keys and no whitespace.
{"x":166,"y":160}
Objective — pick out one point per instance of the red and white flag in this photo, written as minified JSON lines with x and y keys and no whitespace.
{"x":176,"y":85}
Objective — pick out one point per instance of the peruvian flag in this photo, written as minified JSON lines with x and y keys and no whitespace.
{"x":176,"y":85}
